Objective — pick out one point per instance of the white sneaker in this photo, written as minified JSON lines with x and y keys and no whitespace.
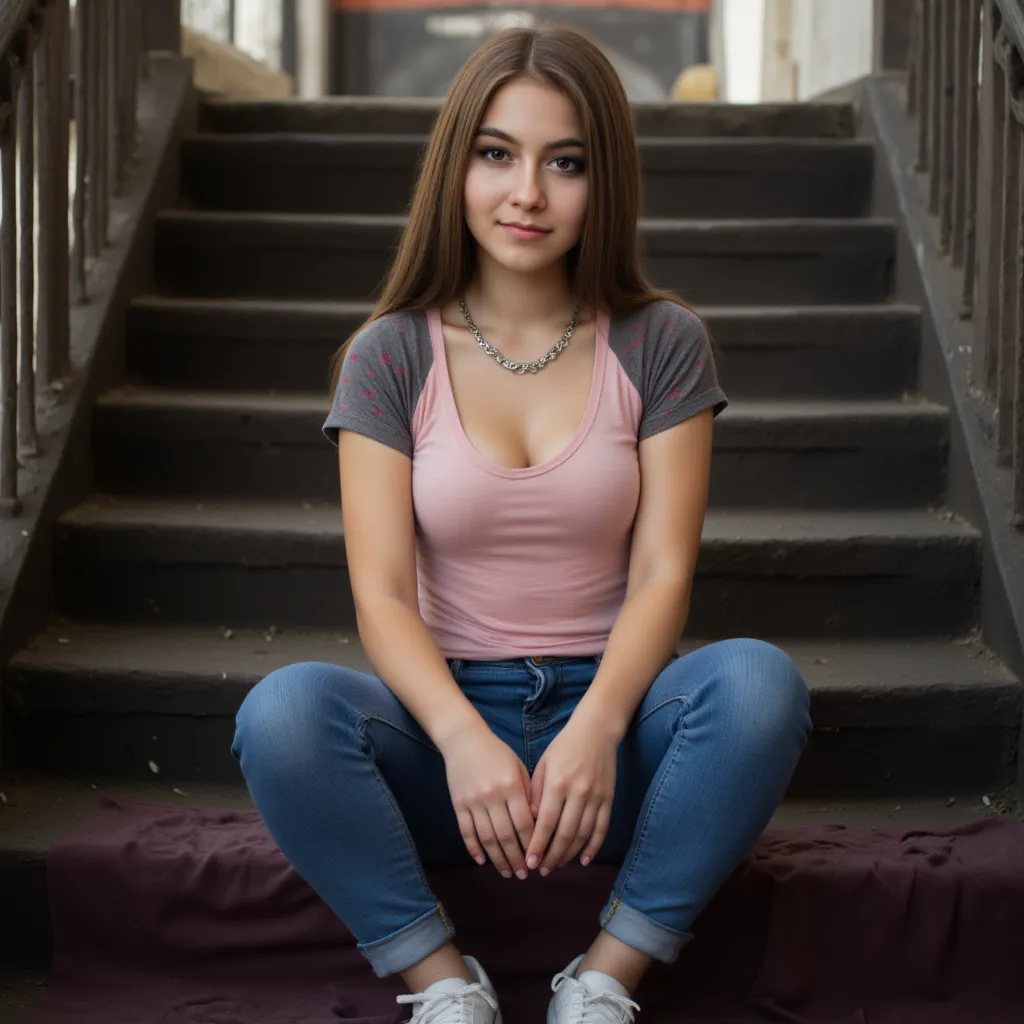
{"x":455,"y":1001}
{"x":592,"y":998}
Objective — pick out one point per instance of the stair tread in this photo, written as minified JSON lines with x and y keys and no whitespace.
{"x":321,"y":307}
{"x":154,"y":396}
{"x":869,"y":665}
{"x":312,"y":517}
{"x":273,"y":139}
{"x":720,"y":225}
{"x":40,"y":810}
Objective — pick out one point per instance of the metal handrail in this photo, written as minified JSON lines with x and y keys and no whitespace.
{"x":36,"y":63}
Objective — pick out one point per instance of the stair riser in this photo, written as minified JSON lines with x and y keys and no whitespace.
{"x":356,"y":115}
{"x":870,"y":359}
{"x":200,"y":260}
{"x":837,"y":763}
{"x":131,"y":457}
{"x":282,"y":176}
{"x":314,"y":596}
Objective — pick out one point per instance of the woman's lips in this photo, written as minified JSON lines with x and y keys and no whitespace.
{"x":527,"y":234}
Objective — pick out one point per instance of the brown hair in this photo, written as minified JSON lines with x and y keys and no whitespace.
{"x":436,"y":255}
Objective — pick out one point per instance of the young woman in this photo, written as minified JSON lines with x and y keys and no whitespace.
{"x":524,"y":428}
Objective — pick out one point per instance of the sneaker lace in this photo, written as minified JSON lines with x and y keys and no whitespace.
{"x":597,"y":1007}
{"x":448,"y":1007}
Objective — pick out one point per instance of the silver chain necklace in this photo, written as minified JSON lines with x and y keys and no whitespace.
{"x":511,"y":364}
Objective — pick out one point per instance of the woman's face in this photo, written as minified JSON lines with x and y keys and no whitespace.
{"x":526,"y":187}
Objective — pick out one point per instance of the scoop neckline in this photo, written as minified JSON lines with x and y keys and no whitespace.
{"x":520,"y":472}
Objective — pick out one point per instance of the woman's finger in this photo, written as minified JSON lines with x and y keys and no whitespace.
{"x":593,"y":847}
{"x":586,"y":829}
{"x":568,"y":827}
{"x":547,"y":821}
{"x":485,"y":831}
{"x":469,"y":836}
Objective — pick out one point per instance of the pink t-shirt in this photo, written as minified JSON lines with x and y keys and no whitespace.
{"x":517,"y":562}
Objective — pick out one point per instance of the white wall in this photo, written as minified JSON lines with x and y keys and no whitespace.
{"x":792,"y":49}
{"x":742,"y":23}
{"x":831,"y":43}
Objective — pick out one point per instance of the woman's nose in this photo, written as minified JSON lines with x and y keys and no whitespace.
{"x":527,"y":190}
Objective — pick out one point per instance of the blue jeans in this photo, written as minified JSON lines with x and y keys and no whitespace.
{"x":356,"y":796}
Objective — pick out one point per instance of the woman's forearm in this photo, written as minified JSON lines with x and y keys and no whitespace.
{"x":405,"y":655}
{"x":648,"y":627}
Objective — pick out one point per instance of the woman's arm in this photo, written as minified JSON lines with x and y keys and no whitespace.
{"x":675,"y":470}
{"x":377,"y":513}
{"x":490,"y":786}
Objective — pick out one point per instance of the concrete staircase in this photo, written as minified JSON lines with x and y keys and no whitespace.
{"x":211,"y":551}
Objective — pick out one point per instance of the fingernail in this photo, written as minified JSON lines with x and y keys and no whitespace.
{"x":521,"y":874}
{"x":480,"y":860}
{"x":532,"y":861}
{"x":584,"y":861}
{"x":544,"y":872}
{"x":506,"y":874}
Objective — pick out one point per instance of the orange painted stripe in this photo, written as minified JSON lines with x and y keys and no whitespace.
{"x":425,"y":5}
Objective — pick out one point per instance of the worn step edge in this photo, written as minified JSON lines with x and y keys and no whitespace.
{"x":253,"y":417}
{"x":400,"y":150}
{"x":253,"y":317}
{"x":660,"y":233}
{"x":772,"y":543}
{"x":77,"y":668}
{"x":405,"y":114}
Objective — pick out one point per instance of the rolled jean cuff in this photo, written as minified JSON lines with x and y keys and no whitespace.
{"x":642,"y":932}
{"x":409,"y":945}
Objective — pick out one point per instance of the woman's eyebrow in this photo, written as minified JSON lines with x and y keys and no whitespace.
{"x":497,"y":133}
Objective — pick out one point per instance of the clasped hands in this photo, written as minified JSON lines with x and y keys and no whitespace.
{"x":543,"y":822}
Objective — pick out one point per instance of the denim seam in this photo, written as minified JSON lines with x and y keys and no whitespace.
{"x":678,"y":699}
{"x":611,"y":910}
{"x":654,"y":799}
{"x":398,"y":728}
{"x":364,"y":719}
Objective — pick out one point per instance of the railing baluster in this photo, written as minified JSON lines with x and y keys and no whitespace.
{"x":1006,"y":334}
{"x":28,"y":443}
{"x":971,"y":164}
{"x":83,"y":33}
{"x":947,"y":126}
{"x":925,"y":58}
{"x":935,"y":106}
{"x":914,"y":61}
{"x":9,"y":503}
{"x":961,"y":93}
{"x":51,"y":78}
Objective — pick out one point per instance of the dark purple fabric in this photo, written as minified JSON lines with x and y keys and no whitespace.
{"x":167,"y":914}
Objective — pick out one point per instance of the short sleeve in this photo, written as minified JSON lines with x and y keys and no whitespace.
{"x":679,"y":376}
{"x":380,"y":382}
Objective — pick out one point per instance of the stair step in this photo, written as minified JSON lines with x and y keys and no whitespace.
{"x":346,"y":256}
{"x":20,"y":990}
{"x":778,"y":573}
{"x":891,"y":716}
{"x":375,"y":173}
{"x":42,"y":810}
{"x":343,"y":115}
{"x":873,"y":453}
{"x":761,"y":351}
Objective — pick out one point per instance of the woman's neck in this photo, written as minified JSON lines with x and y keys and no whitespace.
{"x":498,"y":295}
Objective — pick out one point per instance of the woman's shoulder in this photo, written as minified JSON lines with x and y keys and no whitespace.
{"x":658,"y":318}
{"x":405,"y":332}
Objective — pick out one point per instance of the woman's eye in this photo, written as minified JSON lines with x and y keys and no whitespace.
{"x":497,"y":155}
{"x":569,"y":164}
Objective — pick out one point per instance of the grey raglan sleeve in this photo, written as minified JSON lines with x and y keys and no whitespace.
{"x":380,"y":382}
{"x":679,"y":377}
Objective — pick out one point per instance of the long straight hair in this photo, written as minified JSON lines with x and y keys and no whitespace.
{"x":436,"y":255}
